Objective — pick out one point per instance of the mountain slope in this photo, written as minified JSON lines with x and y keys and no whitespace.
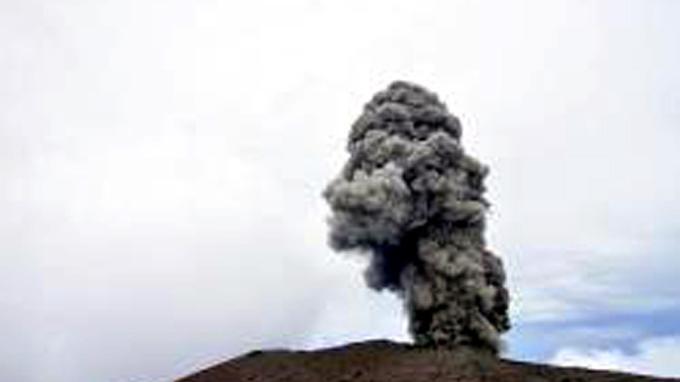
{"x":378,"y":361}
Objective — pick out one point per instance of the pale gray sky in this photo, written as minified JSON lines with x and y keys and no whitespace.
{"x":162,"y":164}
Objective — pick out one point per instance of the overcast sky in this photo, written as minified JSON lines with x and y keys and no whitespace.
{"x":161,"y":166}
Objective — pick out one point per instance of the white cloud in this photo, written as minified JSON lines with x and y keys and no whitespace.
{"x":656,"y":356}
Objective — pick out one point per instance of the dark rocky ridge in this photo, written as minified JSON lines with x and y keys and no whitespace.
{"x":382,"y":361}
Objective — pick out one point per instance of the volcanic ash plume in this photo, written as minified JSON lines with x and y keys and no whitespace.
{"x":413,"y":201}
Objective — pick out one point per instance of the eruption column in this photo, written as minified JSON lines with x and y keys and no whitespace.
{"x":412,"y":201}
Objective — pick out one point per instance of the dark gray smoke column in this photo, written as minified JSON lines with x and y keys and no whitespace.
{"x":413,"y":201}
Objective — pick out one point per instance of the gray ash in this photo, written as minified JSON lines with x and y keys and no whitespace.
{"x":412,"y":200}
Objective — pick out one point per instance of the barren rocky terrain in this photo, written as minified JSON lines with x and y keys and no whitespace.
{"x":378,"y":361}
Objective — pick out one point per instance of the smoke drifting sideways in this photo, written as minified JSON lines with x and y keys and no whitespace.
{"x":411,"y":200}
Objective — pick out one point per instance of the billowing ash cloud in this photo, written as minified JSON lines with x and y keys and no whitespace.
{"x":413,"y":201}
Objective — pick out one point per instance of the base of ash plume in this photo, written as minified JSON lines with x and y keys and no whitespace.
{"x":383,"y":361}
